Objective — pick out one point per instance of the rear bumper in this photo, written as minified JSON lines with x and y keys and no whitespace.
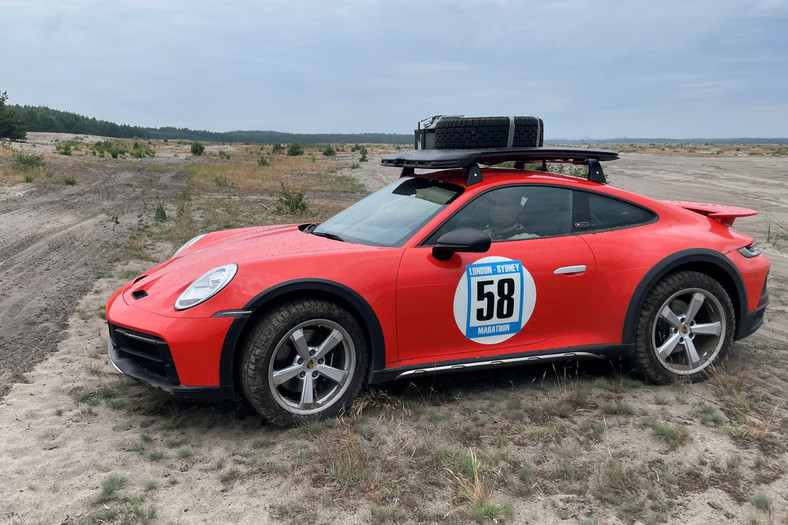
{"x":754,"y":319}
{"x":751,"y":323}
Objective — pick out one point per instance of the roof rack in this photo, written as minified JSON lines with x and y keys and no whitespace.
{"x":470,"y":159}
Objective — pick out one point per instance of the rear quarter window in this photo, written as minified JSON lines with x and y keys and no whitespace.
{"x":606,"y":213}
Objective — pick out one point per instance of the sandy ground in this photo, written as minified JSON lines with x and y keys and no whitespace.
{"x":56,"y":239}
{"x":56,"y":449}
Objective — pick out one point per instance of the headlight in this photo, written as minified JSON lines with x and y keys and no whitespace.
{"x":189,"y":243}
{"x":753,"y":250}
{"x":206,"y":286}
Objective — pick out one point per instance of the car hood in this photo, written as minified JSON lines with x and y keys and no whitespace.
{"x":278,"y":250}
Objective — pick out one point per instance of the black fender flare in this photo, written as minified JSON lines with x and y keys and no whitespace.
{"x":350,"y":298}
{"x":691,"y":258}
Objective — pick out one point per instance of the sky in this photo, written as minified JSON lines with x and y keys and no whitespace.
{"x":592,"y":69}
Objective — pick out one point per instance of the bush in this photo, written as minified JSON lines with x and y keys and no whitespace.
{"x":363,"y":157}
{"x":295,"y":149}
{"x":197,"y":148}
{"x":70,"y":181}
{"x":26,"y":162}
{"x":139,"y":151}
{"x":329,"y":151}
{"x":64,"y":148}
{"x":262,"y":161}
{"x":160,"y":215}
{"x":278,"y":148}
{"x":291,"y":202}
{"x":115,"y":149}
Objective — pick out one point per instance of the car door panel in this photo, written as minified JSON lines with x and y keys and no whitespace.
{"x":429,"y":292}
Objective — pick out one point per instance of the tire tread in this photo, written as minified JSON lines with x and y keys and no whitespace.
{"x":646,"y":363}
{"x":260,"y":344}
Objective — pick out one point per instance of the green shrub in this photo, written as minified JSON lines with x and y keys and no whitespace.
{"x":291,"y":202}
{"x":278,"y":148}
{"x":295,"y":149}
{"x":262,"y":161}
{"x":160,"y":215}
{"x":26,"y":161}
{"x":197,"y":148}
{"x":363,"y":152}
{"x":329,"y":151}
{"x":115,"y":149}
{"x":70,"y":181}
{"x":139,"y":151}
{"x":221,"y":181}
{"x":64,"y":148}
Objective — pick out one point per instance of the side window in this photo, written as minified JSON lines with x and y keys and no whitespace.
{"x":515,"y":213}
{"x":599,"y":212}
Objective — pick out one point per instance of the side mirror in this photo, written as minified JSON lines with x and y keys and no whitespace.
{"x":460,"y":240}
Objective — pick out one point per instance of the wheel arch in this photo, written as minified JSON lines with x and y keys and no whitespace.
{"x":709,"y":262}
{"x":313,"y":288}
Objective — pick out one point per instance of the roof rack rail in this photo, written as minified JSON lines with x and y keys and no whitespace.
{"x":470,"y":159}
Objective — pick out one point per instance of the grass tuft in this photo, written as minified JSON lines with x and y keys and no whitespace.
{"x":110,"y":487}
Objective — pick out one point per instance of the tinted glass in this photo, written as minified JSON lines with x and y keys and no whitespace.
{"x":608,"y":213}
{"x":515,"y":213}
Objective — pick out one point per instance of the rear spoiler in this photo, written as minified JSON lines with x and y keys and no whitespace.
{"x":721,"y":213}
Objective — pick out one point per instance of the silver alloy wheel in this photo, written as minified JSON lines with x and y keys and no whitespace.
{"x":689,"y":331}
{"x":311,"y":367}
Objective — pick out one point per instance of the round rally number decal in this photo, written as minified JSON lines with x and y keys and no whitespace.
{"x":494,"y":299}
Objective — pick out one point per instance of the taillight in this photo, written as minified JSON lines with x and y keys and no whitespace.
{"x":750,"y":251}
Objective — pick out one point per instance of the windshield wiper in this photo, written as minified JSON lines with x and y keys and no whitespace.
{"x":329,"y":235}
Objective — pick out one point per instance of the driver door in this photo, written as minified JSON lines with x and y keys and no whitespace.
{"x":520,"y":295}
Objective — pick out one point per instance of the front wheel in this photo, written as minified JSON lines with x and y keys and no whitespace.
{"x":304,"y":361}
{"x":686,"y":326}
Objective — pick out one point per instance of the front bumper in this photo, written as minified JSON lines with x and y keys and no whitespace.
{"x":147,"y":359}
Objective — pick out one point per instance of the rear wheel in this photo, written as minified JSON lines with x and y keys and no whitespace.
{"x":686,"y":326}
{"x":304,"y":361}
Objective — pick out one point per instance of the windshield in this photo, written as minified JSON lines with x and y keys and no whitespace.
{"x":392,"y":215}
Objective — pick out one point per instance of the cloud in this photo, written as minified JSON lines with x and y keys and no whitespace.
{"x":591,"y":67}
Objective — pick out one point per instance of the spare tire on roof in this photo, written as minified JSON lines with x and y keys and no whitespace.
{"x":489,"y":132}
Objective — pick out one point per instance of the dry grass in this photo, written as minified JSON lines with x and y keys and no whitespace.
{"x":245,"y":176}
{"x":701,"y":150}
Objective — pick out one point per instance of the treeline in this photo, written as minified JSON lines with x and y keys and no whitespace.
{"x":42,"y":118}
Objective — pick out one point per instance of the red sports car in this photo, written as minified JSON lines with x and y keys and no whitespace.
{"x":465,"y":267}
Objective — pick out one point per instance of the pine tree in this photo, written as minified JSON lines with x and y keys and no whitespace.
{"x":11,"y":127}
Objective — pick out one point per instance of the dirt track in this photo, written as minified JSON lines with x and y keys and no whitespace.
{"x":56,"y":239}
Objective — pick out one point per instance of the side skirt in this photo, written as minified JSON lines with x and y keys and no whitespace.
{"x":545,"y":356}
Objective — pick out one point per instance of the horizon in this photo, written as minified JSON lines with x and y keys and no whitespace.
{"x":613,"y":140}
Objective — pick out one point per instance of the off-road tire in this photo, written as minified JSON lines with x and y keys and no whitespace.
{"x":270,"y":352}
{"x":667,"y":321}
{"x":487,"y":132}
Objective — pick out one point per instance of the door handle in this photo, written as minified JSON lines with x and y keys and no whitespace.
{"x":566,"y":270}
